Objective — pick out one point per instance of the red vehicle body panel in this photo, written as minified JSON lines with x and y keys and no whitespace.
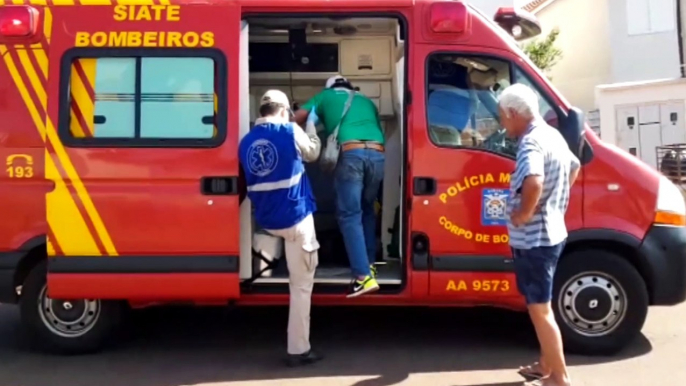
{"x":128,"y":202}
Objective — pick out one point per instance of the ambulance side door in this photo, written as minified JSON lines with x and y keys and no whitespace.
{"x":460,"y":206}
{"x":143,"y":152}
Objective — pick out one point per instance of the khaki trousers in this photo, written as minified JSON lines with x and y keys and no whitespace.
{"x":302,"y":259}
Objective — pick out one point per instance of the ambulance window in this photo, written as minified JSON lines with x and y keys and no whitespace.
{"x":545,"y":108}
{"x":462,"y":102}
{"x":176,"y":95}
{"x":134,"y":101}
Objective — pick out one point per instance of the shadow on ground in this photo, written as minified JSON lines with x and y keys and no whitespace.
{"x":170,"y":347}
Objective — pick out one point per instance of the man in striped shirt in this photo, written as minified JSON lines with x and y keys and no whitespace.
{"x":539,"y":196}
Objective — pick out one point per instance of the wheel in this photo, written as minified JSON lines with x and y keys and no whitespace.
{"x":600,"y":302}
{"x":65,"y":327}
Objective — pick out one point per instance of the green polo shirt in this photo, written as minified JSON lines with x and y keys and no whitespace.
{"x":361,"y":123}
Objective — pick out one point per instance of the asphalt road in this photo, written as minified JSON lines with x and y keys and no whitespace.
{"x":364,"y":347}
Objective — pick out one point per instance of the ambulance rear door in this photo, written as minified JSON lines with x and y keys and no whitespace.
{"x":141,"y":142}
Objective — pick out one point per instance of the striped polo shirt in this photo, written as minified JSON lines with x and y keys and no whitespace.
{"x":542,"y":151}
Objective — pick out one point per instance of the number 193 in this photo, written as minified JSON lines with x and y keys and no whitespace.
{"x":20,"y":171}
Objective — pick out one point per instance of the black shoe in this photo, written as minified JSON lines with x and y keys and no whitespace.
{"x":303,"y":359}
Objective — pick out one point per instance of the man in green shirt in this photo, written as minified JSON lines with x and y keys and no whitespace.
{"x":358,"y":174}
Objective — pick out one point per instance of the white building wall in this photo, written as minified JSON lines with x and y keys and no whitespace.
{"x":583,"y":65}
{"x":661,"y":98}
{"x":644,"y":41}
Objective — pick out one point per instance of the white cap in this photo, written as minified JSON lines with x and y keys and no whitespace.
{"x":331,"y":81}
{"x":275,"y":96}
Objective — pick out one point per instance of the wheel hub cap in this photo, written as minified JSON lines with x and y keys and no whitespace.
{"x":69,"y":319}
{"x":593,"y":304}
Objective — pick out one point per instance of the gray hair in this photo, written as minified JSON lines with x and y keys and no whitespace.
{"x":520,"y":98}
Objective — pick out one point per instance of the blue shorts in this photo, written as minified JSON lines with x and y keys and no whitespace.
{"x":535,"y":269}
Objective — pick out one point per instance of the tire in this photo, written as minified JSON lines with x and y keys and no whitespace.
{"x":74,"y":327}
{"x":600,"y":302}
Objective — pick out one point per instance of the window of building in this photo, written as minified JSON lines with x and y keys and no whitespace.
{"x":650,"y":16}
{"x":127,"y":100}
{"x":462,"y":102}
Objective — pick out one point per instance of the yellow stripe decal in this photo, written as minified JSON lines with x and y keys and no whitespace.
{"x":83,"y":101}
{"x":64,"y":217}
{"x":71,"y":229}
{"x":33,"y":77}
{"x":73,"y":175}
{"x":72,"y":235}
{"x":215,"y":131}
{"x":80,"y":189}
{"x":24,"y":92}
{"x":89,"y":67}
{"x":42,"y":60}
{"x":75,"y":126}
{"x":51,"y":248}
{"x":135,"y":2}
{"x":47,"y":26}
{"x":96,"y":2}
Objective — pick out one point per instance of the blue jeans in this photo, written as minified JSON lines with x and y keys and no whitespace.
{"x":357,"y":180}
{"x":535,"y":271}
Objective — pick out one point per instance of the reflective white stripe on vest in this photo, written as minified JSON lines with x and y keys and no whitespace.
{"x":282,"y":184}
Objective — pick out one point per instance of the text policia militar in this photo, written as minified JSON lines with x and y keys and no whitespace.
{"x":170,"y":39}
{"x":471,"y":181}
{"x":496,"y":207}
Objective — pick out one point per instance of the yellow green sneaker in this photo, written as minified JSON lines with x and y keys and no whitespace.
{"x":361,"y":287}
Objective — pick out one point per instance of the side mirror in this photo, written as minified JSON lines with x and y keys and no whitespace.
{"x":520,"y":24}
{"x":573,"y":131}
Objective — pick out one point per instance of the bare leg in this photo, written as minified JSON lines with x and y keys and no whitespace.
{"x":550,"y":340}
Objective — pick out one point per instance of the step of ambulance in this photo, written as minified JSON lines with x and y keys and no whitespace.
{"x":388,"y":273}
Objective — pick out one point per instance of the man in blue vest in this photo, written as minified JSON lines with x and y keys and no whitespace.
{"x":272,"y":157}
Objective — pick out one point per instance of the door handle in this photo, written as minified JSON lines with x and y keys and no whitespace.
{"x":219,"y":186}
{"x":420,"y":251}
{"x":424,"y":186}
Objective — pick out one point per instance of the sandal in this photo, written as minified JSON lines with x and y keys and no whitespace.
{"x":531,"y":372}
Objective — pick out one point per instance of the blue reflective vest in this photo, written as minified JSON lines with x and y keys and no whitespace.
{"x":275,"y":176}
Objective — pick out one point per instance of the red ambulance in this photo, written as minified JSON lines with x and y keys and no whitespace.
{"x":120,"y":126}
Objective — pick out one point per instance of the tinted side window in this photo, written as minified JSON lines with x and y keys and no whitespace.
{"x":177,"y":98}
{"x":129,"y":100}
{"x":102,"y":98}
{"x":462,"y":102}
{"x":546,"y":109}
